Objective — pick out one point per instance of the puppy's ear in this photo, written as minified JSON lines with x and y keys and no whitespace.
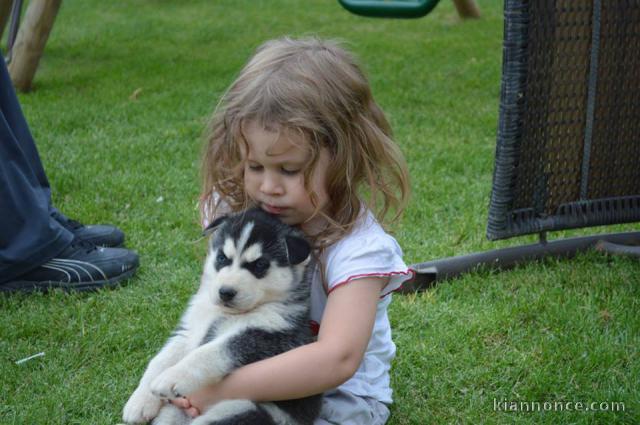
{"x":298,"y":249}
{"x":214,"y":224}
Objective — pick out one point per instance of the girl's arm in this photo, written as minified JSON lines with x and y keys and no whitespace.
{"x":346,"y":328}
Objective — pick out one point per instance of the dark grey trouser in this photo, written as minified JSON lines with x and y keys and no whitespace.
{"x":29,"y":236}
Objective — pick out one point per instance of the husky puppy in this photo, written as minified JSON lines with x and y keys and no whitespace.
{"x":253,"y":303}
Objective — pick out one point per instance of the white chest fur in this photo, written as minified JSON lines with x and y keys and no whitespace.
{"x":202,"y":314}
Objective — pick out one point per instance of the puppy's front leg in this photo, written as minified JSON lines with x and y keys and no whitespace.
{"x":143,"y":405}
{"x":205,"y":365}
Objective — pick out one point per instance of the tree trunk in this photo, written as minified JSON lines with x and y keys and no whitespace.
{"x":5,"y":12}
{"x":32,"y":37}
{"x":467,"y":8}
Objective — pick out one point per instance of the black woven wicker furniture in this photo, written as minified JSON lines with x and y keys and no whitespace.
{"x":568,"y":151}
{"x":568,"y":145}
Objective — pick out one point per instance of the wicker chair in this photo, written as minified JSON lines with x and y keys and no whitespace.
{"x":568,"y":148}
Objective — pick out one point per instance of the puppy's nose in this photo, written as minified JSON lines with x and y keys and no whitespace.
{"x":226,"y":294}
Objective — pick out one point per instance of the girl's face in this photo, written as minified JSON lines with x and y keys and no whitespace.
{"x":274,"y":176}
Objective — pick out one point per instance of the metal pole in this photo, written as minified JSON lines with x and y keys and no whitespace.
{"x":430,"y":272}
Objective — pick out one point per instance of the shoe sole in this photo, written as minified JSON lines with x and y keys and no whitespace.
{"x":30,"y":286}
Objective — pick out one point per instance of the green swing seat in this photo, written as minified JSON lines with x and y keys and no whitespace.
{"x":390,"y":8}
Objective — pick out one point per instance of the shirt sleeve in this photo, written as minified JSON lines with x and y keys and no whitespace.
{"x":377,"y":255}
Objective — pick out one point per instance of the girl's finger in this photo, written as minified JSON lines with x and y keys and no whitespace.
{"x":181,"y":402}
{"x":193,"y":412}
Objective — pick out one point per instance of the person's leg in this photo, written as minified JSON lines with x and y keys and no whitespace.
{"x":15,"y":119}
{"x":28,"y":235}
{"x":103,"y":235}
{"x":39,"y":247}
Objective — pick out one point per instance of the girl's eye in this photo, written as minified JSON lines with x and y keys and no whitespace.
{"x":288,"y":172}
{"x":255,"y":167}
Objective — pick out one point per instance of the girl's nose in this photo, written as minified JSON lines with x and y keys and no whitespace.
{"x":271,"y":185}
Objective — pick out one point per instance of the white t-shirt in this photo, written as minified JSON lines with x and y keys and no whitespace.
{"x":367,"y":251}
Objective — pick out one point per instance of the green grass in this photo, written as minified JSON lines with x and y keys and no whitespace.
{"x":551,"y":331}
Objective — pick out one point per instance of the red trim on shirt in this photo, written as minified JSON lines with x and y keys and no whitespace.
{"x":315,"y":327}
{"x":389,"y":274}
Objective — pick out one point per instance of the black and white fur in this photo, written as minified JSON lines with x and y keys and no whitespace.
{"x":253,"y":303}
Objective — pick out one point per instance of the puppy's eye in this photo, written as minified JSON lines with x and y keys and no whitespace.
{"x":259,"y":267}
{"x":222,"y":260}
{"x":261,"y":264}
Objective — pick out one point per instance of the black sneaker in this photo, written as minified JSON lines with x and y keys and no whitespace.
{"x":98,"y":234}
{"x":82,"y":266}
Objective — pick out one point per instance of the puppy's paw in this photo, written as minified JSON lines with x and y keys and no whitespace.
{"x":142,"y":407}
{"x":176,"y":382}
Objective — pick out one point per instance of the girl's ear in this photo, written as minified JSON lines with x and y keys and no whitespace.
{"x":214,"y":224}
{"x":298,"y":249}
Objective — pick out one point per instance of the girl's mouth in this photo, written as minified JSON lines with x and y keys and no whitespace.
{"x":273,"y":209}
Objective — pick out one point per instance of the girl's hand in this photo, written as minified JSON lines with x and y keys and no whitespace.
{"x":198,"y":402}
{"x":185,"y":404}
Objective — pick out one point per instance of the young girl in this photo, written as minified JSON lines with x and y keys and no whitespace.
{"x":299,"y":135}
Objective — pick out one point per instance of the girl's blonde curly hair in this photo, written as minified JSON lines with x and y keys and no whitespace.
{"x":316,"y":88}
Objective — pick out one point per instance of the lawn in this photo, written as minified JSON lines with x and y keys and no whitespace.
{"x":121,"y":99}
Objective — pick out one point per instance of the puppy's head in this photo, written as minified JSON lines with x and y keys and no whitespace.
{"x":254,"y":259}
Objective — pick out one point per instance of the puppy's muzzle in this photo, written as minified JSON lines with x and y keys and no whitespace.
{"x":227,"y":294}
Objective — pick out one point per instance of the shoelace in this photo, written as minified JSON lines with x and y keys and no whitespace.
{"x":67,"y":222}
{"x":74,"y":225}
{"x":86,"y":245}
